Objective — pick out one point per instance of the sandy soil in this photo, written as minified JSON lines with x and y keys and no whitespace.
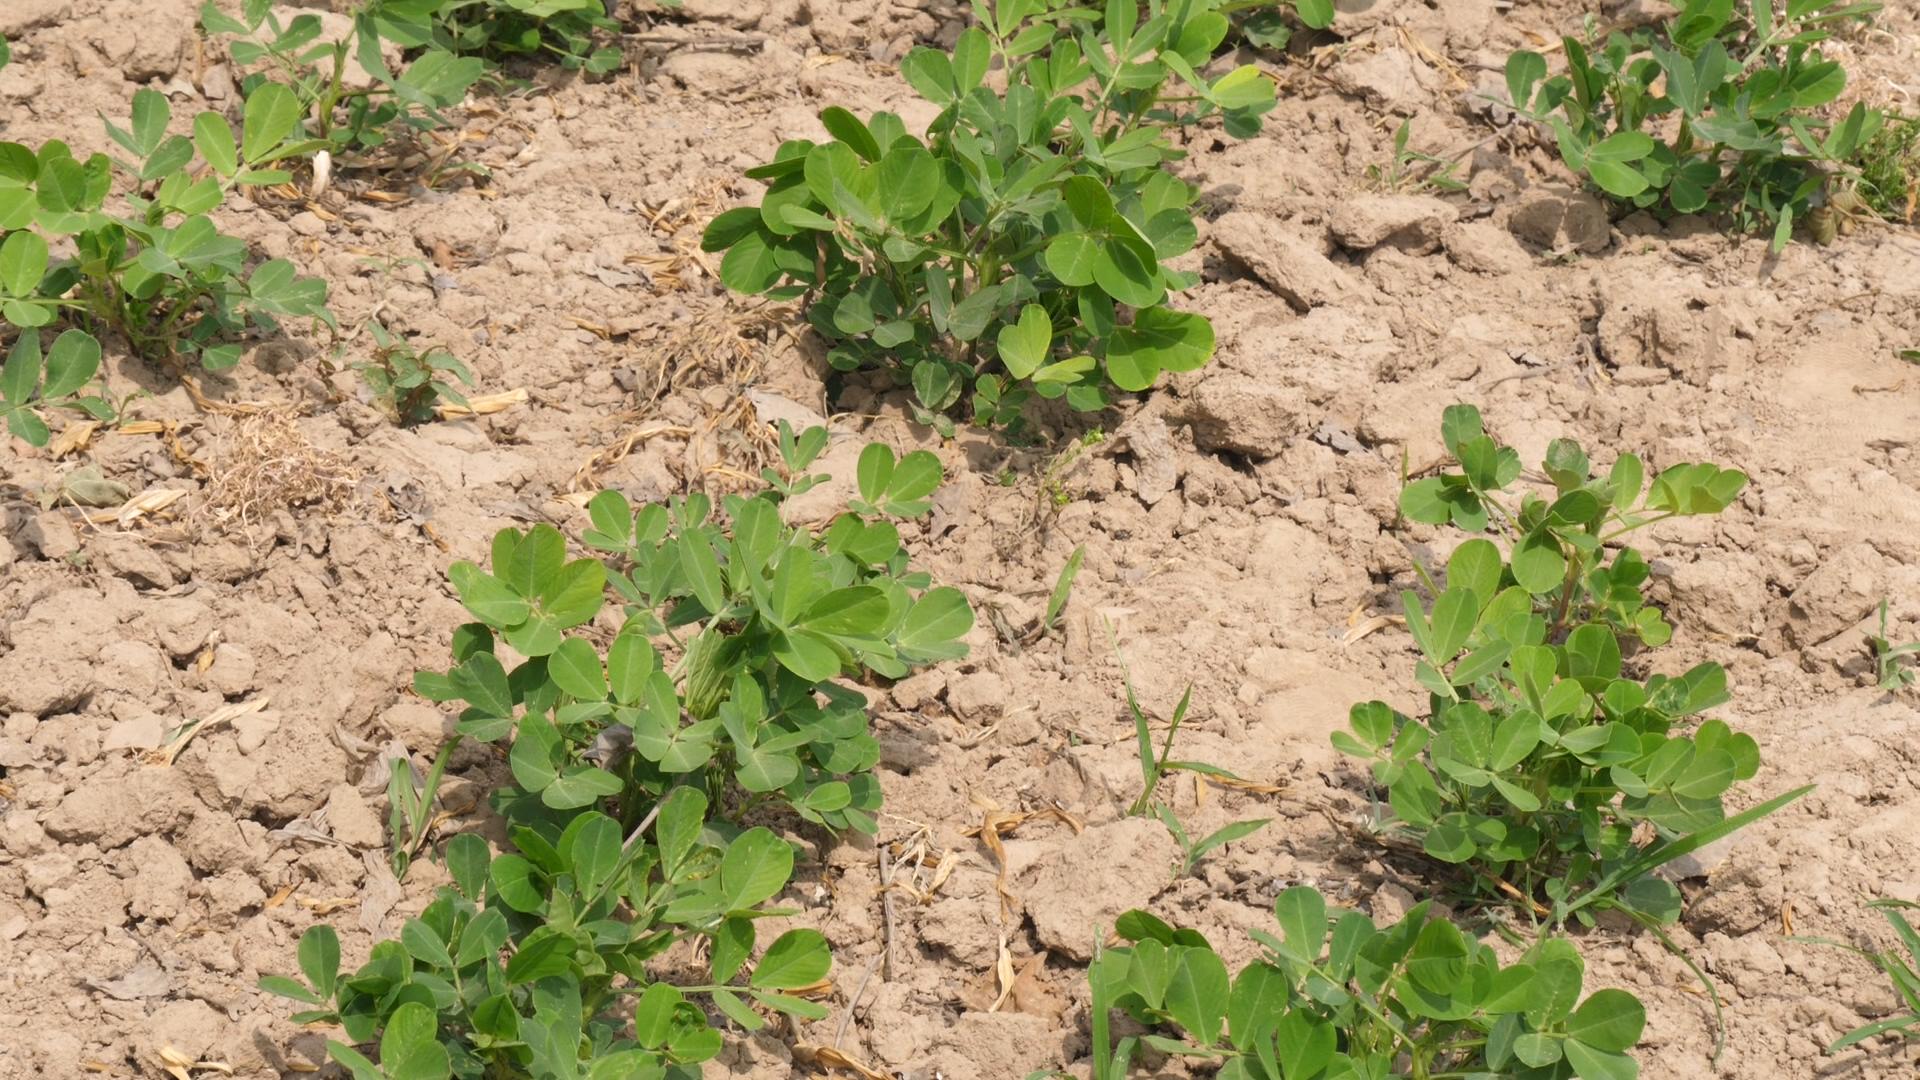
{"x":1237,"y":525}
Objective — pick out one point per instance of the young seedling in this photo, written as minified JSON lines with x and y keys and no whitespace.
{"x":1191,"y":850}
{"x":1414,"y":169}
{"x":409,"y":384}
{"x":1540,"y":765}
{"x":1894,"y":673}
{"x":1902,"y":971}
{"x":1062,"y":589}
{"x":1334,"y":996}
{"x":1734,"y":127}
{"x":630,"y":780}
{"x":410,"y":807}
{"x":162,"y":276}
{"x":1024,"y":246}
{"x":349,"y":120}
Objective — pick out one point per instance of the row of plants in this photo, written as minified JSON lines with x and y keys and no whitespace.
{"x":1722,"y":110}
{"x":1026,"y":245}
{"x":156,"y":271}
{"x":1542,"y":785}
{"x":638,"y":757}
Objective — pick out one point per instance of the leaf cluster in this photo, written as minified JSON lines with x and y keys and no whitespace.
{"x":773,"y":613}
{"x":631,"y":780}
{"x":1335,"y":998}
{"x":162,"y":275}
{"x":1902,"y":971}
{"x":534,"y":963}
{"x":1023,"y":246}
{"x":1717,"y":111}
{"x":1541,"y":762}
{"x":408,"y":384}
{"x":348,"y":114}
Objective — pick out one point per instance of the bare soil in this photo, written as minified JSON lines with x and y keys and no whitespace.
{"x":1239,"y":527}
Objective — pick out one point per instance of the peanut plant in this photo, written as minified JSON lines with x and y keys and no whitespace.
{"x":1334,"y":998}
{"x":633,"y":779}
{"x":1022,"y":247}
{"x":337,"y":114}
{"x":161,"y":276}
{"x":1735,"y":126}
{"x":408,"y":383}
{"x":1541,"y":764}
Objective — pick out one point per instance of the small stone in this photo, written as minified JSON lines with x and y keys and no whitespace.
{"x":422,"y":727}
{"x":1409,"y":222}
{"x":51,"y":534}
{"x":351,"y":820}
{"x":308,"y":223}
{"x":1284,"y":261}
{"x":133,"y":560}
{"x":252,"y":731}
{"x":142,"y":732}
{"x":920,"y":690}
{"x":233,"y":670}
{"x":1563,"y":221}
{"x":1391,"y":903}
{"x":977,"y":694}
{"x":132,"y":668}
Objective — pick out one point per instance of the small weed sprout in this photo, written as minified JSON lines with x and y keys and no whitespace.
{"x":1893,"y":672}
{"x":409,"y":384}
{"x":1414,"y":169}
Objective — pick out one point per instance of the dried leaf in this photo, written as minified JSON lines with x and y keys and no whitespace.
{"x":73,"y":438}
{"x":146,"y":979}
{"x":179,"y":737}
{"x":483,"y":405}
{"x":827,"y":1057}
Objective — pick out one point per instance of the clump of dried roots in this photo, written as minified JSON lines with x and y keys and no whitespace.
{"x":266,"y":464}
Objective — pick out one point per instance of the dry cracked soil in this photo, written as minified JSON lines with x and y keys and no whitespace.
{"x":1239,"y":524}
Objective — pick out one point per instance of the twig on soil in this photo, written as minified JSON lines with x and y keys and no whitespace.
{"x":886,"y":914}
{"x":854,"y":1001}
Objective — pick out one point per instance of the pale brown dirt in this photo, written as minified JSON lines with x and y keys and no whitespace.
{"x":1236,"y":524}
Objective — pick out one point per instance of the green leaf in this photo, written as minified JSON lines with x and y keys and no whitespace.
{"x":1159,"y":340}
{"x":1024,"y":344}
{"x":732,"y":943}
{"x":546,"y":951}
{"x":575,"y":668}
{"x":702,"y":571}
{"x":467,"y":861}
{"x":1524,"y":69}
{"x":410,"y":1048}
{"x":424,"y":944}
{"x":1302,"y":914}
{"x":320,"y":958}
{"x":71,"y":363}
{"x":21,"y":376}
{"x":1071,"y":257}
{"x":796,"y":959}
{"x":934,"y":626}
{"x":683,"y":813}
{"x":874,"y":472}
{"x":1592,"y":1064}
{"x":755,"y":867}
{"x":1317,"y":14}
{"x":290,"y":988}
{"x":1610,"y":1020}
{"x":654,"y":1014}
{"x":847,"y":127}
{"x":1538,"y":565}
{"x":1125,"y":268}
{"x":580,"y":785}
{"x":271,"y":114}
{"x":1197,"y":994}
{"x":23,"y":262}
{"x":213,"y":137}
